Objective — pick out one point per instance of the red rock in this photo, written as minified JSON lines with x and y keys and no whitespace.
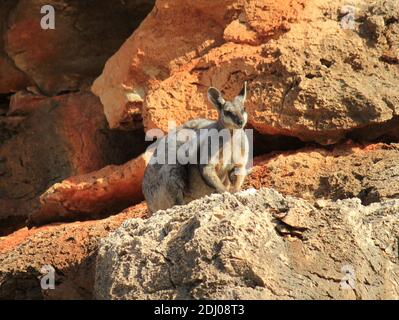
{"x":71,"y":249}
{"x":74,"y":53}
{"x":24,"y":102}
{"x":89,"y":196}
{"x":48,"y":140}
{"x":11,"y":78}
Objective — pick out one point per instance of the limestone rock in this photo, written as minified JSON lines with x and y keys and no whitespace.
{"x":324,"y":80}
{"x":309,"y":76}
{"x":369,"y":172}
{"x":164,"y":77}
{"x":254,"y":245}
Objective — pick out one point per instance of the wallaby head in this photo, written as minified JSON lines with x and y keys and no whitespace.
{"x":232,"y":114}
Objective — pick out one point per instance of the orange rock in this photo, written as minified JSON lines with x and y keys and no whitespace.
{"x":89,"y":196}
{"x":44,"y":140}
{"x":303,"y":81}
{"x":182,"y":96}
{"x":70,"y":249}
{"x":24,"y":102}
{"x":368,"y":172}
{"x":74,"y":53}
{"x":167,"y":63}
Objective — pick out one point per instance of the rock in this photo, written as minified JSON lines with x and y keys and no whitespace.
{"x":369,"y":172}
{"x":24,"y":102}
{"x":74,"y":53}
{"x":318,"y":89}
{"x":11,"y":78}
{"x":234,"y":247}
{"x":350,"y":170}
{"x":303,"y":80}
{"x":70,"y":249}
{"x":47,"y":140}
{"x":103,"y":192}
{"x":149,"y":76}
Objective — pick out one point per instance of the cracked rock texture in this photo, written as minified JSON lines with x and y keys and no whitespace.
{"x":308,"y":76}
{"x":369,"y":172}
{"x":315,"y":76}
{"x":11,"y":78}
{"x":325,"y":81}
{"x":254,"y":245}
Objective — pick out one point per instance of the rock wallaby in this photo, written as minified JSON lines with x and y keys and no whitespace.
{"x":219,"y":156}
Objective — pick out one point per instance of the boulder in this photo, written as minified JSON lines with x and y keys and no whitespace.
{"x":304,"y":81}
{"x":164,"y":77}
{"x":368,"y":172}
{"x":316,"y":88}
{"x":254,"y":245}
{"x":45,"y":140}
{"x":89,"y":196}
{"x":74,"y":53}
{"x":70,"y":249}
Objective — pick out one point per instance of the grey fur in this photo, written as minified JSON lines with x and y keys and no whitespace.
{"x":167,"y":185}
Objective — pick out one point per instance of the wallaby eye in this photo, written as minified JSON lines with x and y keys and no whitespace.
{"x":228,"y":114}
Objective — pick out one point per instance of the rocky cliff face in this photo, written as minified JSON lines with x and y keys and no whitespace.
{"x":51,"y":126}
{"x":309,"y":77}
{"x":54,"y":138}
{"x":347,"y":171}
{"x":74,"y":52}
{"x":75,"y":103}
{"x":154,"y":78}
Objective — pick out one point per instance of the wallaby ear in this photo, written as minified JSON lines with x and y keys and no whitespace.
{"x":216,"y":97}
{"x":242,"y":96}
